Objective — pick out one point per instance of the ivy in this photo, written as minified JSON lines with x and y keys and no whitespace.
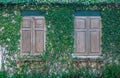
{"x":60,"y":32}
{"x":111,"y":32}
{"x":60,"y":40}
{"x":55,"y":1}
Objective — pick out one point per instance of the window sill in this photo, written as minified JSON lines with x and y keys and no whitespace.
{"x":87,"y":58}
{"x":75,"y":58}
{"x":29,"y":58}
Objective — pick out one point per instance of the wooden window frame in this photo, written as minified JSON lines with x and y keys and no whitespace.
{"x":33,"y":39}
{"x":78,"y":55}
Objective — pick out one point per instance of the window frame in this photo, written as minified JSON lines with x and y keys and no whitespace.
{"x":31,"y":53}
{"x":84,"y":14}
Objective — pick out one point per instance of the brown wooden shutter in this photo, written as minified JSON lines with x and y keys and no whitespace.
{"x":26,"y":35}
{"x":95,"y":34}
{"x":39,"y":32}
{"x":87,"y":35}
{"x":80,"y":36}
{"x":33,"y":35}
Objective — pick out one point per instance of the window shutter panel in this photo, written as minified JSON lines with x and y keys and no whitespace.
{"x":87,"y":35}
{"x":39,"y":41}
{"x":80,"y":36}
{"x":33,"y":34}
{"x":26,"y":35}
{"x":39,"y":34}
{"x":95,"y":34}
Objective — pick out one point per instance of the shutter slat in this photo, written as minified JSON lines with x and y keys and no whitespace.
{"x":26,"y":29}
{"x":82,"y":30}
{"x":39,"y":29}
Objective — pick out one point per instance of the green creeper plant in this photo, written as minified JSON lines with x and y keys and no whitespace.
{"x":59,"y":35}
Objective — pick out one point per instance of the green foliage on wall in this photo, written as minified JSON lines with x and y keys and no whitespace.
{"x":10,"y":34}
{"x":111,"y":32}
{"x":56,"y":1}
{"x":10,"y":25}
{"x":111,"y":71}
{"x":60,"y":42}
{"x":60,"y":32}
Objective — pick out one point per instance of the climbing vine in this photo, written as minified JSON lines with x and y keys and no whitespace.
{"x":60,"y":32}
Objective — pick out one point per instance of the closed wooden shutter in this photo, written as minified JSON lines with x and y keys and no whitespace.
{"x":80,"y":35}
{"x":95,"y":35}
{"x":26,"y":34}
{"x":39,"y":34}
{"x":33,"y":35}
{"x":87,"y":35}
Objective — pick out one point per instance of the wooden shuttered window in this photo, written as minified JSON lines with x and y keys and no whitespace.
{"x":87,"y":35}
{"x":33,"y":35}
